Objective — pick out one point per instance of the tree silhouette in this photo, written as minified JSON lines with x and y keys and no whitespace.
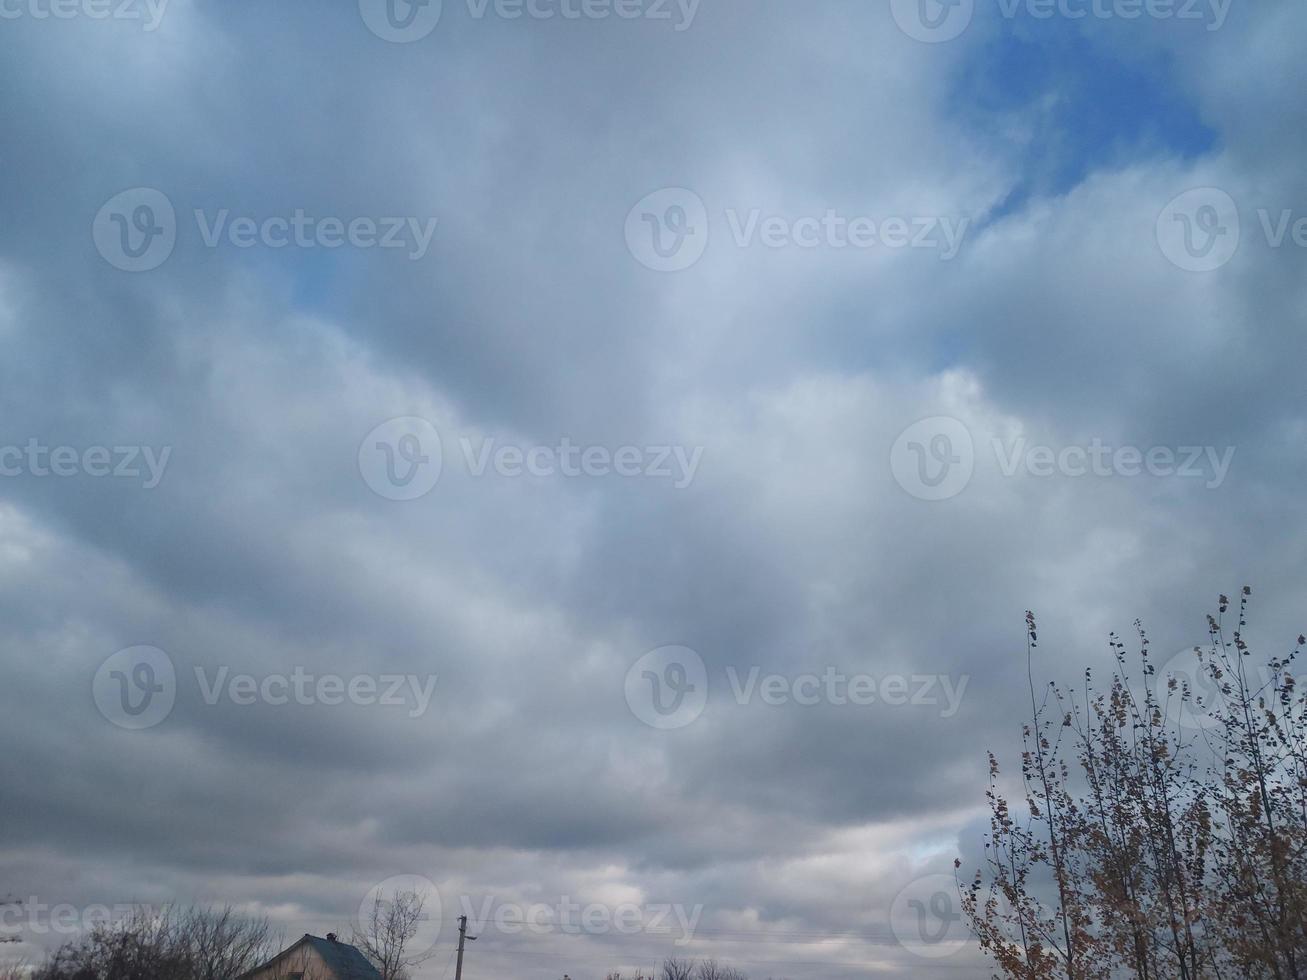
{"x":1164,"y":832}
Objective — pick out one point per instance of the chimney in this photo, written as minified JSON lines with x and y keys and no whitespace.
{"x":331,"y":937}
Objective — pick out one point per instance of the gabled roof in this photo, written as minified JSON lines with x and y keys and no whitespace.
{"x":344,"y":960}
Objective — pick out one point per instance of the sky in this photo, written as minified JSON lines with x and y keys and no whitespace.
{"x":589,"y":460}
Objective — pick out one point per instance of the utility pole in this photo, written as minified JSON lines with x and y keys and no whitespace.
{"x":462,"y":935}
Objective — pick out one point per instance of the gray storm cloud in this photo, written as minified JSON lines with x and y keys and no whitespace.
{"x":784,"y":542}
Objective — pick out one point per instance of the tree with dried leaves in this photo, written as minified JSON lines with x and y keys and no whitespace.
{"x":1164,"y":832}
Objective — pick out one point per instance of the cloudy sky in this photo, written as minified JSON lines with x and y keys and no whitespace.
{"x":592,"y":459}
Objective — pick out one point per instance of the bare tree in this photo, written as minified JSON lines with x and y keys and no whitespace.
{"x":19,"y":970}
{"x":168,"y":944}
{"x":224,"y":944}
{"x":387,"y":931}
{"x":711,"y":969}
{"x":677,"y":969}
{"x":9,"y":903}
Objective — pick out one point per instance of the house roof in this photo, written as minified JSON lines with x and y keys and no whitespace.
{"x":344,"y":960}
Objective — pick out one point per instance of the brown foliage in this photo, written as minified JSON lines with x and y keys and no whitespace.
{"x":1147,"y":848}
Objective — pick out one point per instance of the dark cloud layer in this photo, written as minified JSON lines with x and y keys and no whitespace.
{"x":529,"y":778}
